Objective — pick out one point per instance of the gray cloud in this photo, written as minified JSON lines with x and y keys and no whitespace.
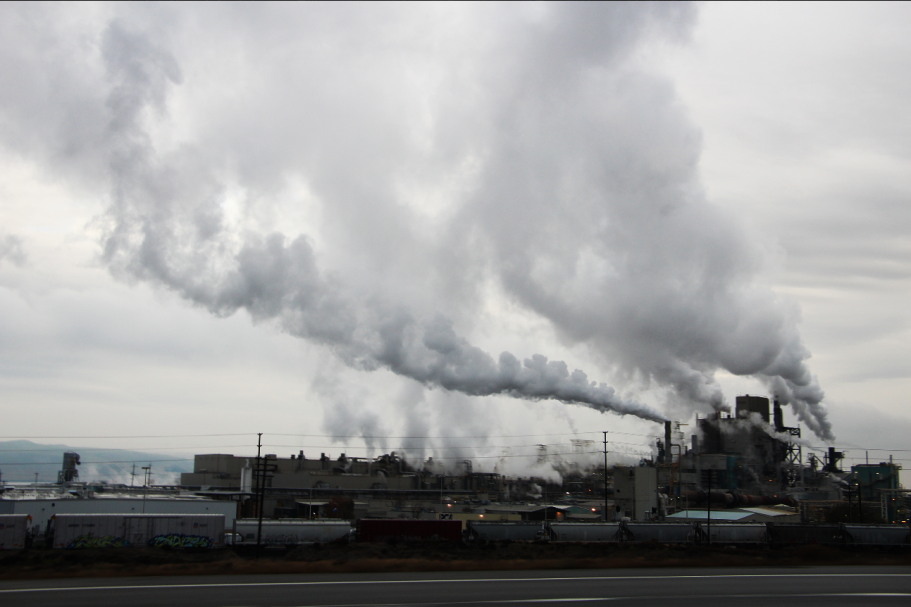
{"x":507,"y":146}
{"x":12,"y":249}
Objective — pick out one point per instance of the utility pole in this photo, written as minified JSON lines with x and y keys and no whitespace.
{"x":709,"y":509}
{"x":133,"y":475}
{"x":850,"y":505}
{"x":261,"y":483}
{"x":146,"y":481}
{"x":263,"y":472}
{"x":605,"y":477}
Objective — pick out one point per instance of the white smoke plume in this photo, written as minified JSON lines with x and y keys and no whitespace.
{"x":438,"y":153}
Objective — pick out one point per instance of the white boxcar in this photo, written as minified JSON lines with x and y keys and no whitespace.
{"x":138,"y":530}
{"x":666,"y":533}
{"x":13,"y":531}
{"x":289,"y":532}
{"x":737,"y":533}
{"x":522,"y":531}
{"x":175,"y":531}
{"x":877,"y":535}
{"x":585,"y":532}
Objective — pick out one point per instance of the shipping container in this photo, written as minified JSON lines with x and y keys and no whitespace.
{"x":666,"y":533}
{"x":517,"y":531}
{"x":876,"y":535}
{"x":585,"y":532}
{"x":379,"y":530}
{"x":14,"y":530}
{"x":138,"y":530}
{"x":290,"y":532}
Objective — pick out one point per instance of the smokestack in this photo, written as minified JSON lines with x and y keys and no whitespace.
{"x":68,"y":472}
{"x":668,"y":455}
{"x":778,"y":417}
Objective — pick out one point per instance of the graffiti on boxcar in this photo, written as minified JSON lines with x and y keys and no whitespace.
{"x":179,"y":540}
{"x":90,"y":541}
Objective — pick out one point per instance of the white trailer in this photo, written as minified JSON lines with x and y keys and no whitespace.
{"x":290,"y":532}
{"x":138,"y":530}
{"x":14,"y":531}
{"x":585,"y":532}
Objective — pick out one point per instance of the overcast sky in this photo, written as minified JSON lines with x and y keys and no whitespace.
{"x":395,"y":222}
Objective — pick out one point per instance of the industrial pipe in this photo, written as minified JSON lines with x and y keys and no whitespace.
{"x":734,"y":500}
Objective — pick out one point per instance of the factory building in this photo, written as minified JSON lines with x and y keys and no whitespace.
{"x":43,"y":503}
{"x":750,"y":452}
{"x":636,"y":493}
{"x":386,"y":486}
{"x":69,"y":496}
{"x":736,"y":462}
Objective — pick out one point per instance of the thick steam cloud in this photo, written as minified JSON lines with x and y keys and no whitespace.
{"x":440,"y":155}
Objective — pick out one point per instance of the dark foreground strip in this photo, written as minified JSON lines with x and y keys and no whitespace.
{"x":472,"y":581}
{"x":832,"y":595}
{"x":638,"y":598}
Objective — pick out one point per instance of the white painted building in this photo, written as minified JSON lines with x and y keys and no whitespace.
{"x":43,"y":504}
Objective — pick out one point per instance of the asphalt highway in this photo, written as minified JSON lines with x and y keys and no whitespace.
{"x":830,"y":586}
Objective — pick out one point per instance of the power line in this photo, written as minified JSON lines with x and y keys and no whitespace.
{"x":139,"y":450}
{"x":121,"y":436}
{"x":130,"y":461}
{"x":337,"y":436}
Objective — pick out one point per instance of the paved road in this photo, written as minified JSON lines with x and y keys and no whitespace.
{"x":829,"y":586}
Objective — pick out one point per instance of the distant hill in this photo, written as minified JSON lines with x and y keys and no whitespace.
{"x":21,"y":459}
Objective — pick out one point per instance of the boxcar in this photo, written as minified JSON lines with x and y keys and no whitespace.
{"x":14,"y":531}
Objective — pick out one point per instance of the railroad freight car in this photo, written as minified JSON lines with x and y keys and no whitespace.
{"x":585,"y":532}
{"x":664,"y":533}
{"x":788,"y":534}
{"x":138,"y":530}
{"x":876,"y":535}
{"x":488,"y":531}
{"x":744,"y":534}
{"x":290,"y":532}
{"x":14,"y":530}
{"x":381,"y":530}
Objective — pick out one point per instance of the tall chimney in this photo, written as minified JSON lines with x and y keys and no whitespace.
{"x":669,"y":456}
{"x":778,"y":417}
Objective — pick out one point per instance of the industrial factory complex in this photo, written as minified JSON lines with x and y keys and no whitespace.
{"x":746,"y":467}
